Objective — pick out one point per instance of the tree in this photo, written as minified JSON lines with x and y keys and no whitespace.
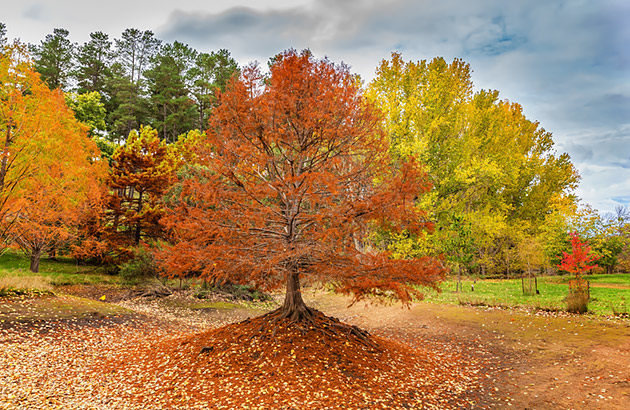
{"x":297,"y":177}
{"x":579,"y":260}
{"x":532,"y":257}
{"x":89,"y":110}
{"x":3,"y":34}
{"x":459,"y":246}
{"x":142,"y":170}
{"x":21,"y":122}
{"x":211,"y":72}
{"x":127,"y":105}
{"x":49,"y":165}
{"x":94,"y":59}
{"x":126,"y":108}
{"x":172,"y":109}
{"x":487,"y":162}
{"x":54,"y":59}
{"x":134,"y":50}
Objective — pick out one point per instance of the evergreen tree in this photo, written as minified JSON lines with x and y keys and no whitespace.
{"x":134,"y":51}
{"x":54,"y":59}
{"x":127,"y":105}
{"x":3,"y":34}
{"x":94,"y":58}
{"x":126,"y":109}
{"x":171,"y":108}
{"x":209,"y":73}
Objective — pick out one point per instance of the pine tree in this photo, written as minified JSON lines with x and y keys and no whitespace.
{"x":54,"y":59}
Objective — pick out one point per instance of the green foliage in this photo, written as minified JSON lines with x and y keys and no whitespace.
{"x":54,"y":59}
{"x":93,"y":61}
{"x":139,"y":269}
{"x":489,"y":164}
{"x":210,"y":73}
{"x":3,"y":34}
{"x":126,"y":109}
{"x":106,"y":147}
{"x":89,"y":110}
{"x":172,"y":110}
{"x":609,"y":293}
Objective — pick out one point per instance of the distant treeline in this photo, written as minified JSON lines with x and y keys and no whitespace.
{"x":140,"y":79}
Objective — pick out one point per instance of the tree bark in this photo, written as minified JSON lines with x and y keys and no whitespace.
{"x":136,"y":235}
{"x":35,"y":257}
{"x":294,"y":307}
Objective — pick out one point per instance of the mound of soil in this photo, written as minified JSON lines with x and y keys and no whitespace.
{"x":271,"y":363}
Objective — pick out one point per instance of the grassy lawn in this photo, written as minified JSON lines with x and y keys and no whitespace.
{"x":15,"y":273}
{"x":610,"y":294}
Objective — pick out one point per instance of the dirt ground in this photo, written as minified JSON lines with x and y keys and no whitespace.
{"x":534,"y":360}
{"x":529,"y":360}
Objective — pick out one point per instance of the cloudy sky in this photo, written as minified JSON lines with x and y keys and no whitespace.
{"x":567,"y":62}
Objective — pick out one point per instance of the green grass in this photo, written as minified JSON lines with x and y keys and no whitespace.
{"x":63,"y":271}
{"x":610,"y":294}
{"x":214,"y":305}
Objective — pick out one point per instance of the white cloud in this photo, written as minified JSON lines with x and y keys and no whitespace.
{"x":566,"y":62}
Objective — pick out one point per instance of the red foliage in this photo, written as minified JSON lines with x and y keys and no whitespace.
{"x":298,"y":176}
{"x":579,"y":260}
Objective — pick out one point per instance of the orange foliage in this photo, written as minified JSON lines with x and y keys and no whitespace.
{"x":142,"y":170}
{"x":297,"y":177}
{"x":49,"y":167}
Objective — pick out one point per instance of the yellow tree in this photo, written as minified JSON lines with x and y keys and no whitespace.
{"x":142,"y":171}
{"x":49,"y":166}
{"x":488,"y":163}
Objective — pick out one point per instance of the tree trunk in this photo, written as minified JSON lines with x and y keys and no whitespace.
{"x":294,"y":307}
{"x":136,"y":235}
{"x":609,"y":269}
{"x":35,"y":257}
{"x":459,"y":278}
{"x":5,"y":157}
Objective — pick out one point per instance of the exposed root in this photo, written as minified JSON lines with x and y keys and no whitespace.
{"x":306,"y":320}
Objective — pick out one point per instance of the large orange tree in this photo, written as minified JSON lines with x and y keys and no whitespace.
{"x":296,"y":178}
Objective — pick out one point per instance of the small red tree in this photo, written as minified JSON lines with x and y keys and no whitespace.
{"x":579,"y":260}
{"x":297,"y":178}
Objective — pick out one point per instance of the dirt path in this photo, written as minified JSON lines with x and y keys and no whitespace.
{"x":533,"y":361}
{"x":528,"y":361}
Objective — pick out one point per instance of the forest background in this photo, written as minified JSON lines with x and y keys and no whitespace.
{"x":101,"y":137}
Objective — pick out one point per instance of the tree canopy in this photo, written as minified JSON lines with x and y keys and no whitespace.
{"x":297,"y":175}
{"x":492,"y":169}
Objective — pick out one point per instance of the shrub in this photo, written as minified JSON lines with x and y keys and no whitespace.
{"x":139,"y":269}
{"x":577,"y":301}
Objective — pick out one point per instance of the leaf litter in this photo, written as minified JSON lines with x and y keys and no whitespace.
{"x":142,"y":362}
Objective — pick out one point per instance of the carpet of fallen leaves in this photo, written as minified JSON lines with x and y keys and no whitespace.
{"x":138,"y":362}
{"x":253,"y":366}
